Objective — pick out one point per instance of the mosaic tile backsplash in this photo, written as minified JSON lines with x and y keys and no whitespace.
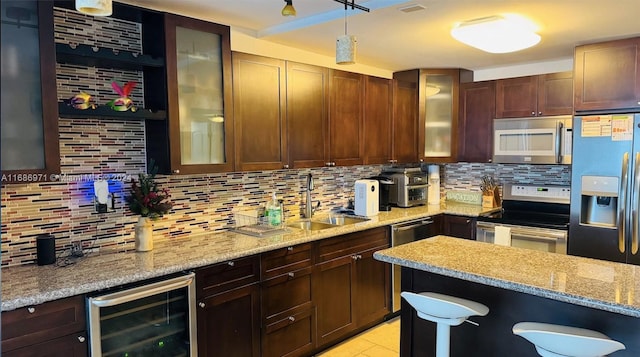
{"x":202,"y":203}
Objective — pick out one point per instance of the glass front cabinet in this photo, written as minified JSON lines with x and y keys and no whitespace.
{"x":199,"y":95}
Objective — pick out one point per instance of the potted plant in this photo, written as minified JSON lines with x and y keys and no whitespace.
{"x":150,"y":202}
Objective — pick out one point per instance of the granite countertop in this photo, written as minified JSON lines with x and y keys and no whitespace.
{"x":32,"y":284}
{"x":598,"y":284}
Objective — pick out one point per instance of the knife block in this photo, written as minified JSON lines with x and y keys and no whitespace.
{"x":491,"y":200}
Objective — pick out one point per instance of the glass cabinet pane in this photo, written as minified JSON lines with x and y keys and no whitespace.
{"x":438,"y":94}
{"x":22,"y":114}
{"x":200,"y":97}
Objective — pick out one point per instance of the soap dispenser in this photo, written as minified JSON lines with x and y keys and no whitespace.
{"x":274,"y":211}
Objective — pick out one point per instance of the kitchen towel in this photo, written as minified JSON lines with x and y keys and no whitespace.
{"x":503,"y":236}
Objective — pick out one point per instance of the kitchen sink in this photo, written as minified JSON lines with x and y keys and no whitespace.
{"x":342,"y":220}
{"x":311,"y":225}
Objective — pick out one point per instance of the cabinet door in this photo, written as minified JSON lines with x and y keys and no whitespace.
{"x":373,"y":284}
{"x":438,"y":114}
{"x":229,"y":323}
{"x":333,"y":296}
{"x":555,"y":94}
{"x":460,"y":227}
{"x":199,"y":92}
{"x":477,"y":110}
{"x":29,"y":124}
{"x":346,"y":144}
{"x":405,"y":122}
{"x":259,"y":91}
{"x":74,"y":345}
{"x":307,"y":115}
{"x":516,"y":97}
{"x":377,"y":120}
{"x":607,"y":75}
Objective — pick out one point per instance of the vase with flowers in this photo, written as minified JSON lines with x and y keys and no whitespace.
{"x":150,"y":202}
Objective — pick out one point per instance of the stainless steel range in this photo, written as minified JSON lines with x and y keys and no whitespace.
{"x":532,"y":217}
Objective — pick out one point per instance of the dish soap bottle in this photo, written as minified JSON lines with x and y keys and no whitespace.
{"x":274,"y":211}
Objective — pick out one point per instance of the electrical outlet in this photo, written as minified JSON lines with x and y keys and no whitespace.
{"x":76,"y":249}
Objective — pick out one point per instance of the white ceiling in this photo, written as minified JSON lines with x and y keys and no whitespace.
{"x":394,"y":40}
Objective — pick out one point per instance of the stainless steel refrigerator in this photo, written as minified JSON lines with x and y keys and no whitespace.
{"x":605,"y":188}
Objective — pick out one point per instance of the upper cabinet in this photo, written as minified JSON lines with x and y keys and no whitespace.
{"x":346,"y":144}
{"x":404,"y":129}
{"x":475,"y":129}
{"x":607,"y":76}
{"x":29,"y":135}
{"x":541,"y":95}
{"x":259,"y":101}
{"x":378,"y":111}
{"x":198,"y":72}
{"x":307,"y":115}
{"x":437,"y":111}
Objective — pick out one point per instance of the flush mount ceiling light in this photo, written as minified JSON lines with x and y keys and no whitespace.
{"x":288,"y":9}
{"x":94,"y":7}
{"x":497,"y":34}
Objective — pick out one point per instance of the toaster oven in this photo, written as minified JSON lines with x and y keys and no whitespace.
{"x":409,"y":187}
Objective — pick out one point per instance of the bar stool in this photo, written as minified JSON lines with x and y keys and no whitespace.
{"x":564,"y":341}
{"x":445,"y":311}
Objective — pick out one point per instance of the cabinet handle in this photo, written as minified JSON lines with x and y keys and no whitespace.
{"x":467,"y":221}
{"x":201,"y":304}
{"x":292,"y":274}
{"x":176,"y":171}
{"x":533,"y":113}
{"x":81,"y":338}
{"x":285,"y":166}
{"x":327,"y":164}
{"x":290,"y":249}
{"x":292,"y":319}
{"x":356,"y":257}
{"x":31,"y":310}
{"x":231,"y":264}
{"x":539,"y":113}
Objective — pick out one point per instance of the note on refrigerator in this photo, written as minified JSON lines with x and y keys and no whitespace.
{"x":503,"y":236}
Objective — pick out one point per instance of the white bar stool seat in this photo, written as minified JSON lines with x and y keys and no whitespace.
{"x":445,"y":311}
{"x":564,"y":341}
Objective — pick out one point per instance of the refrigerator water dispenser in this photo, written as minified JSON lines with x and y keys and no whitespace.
{"x":599,"y":201}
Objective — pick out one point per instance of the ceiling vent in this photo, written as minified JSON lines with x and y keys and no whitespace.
{"x":412,"y":8}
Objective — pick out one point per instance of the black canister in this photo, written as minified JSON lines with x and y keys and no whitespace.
{"x":46,"y":249}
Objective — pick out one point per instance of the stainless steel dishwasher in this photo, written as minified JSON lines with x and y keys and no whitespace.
{"x":403,"y":233}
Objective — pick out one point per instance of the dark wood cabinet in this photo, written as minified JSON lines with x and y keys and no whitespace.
{"x":378,"y":110}
{"x":346,"y":143}
{"x":459,"y":226}
{"x":404,"y":130}
{"x":531,"y":96}
{"x":475,"y":129}
{"x":351,"y":290}
{"x":288,"y":312}
{"x":198,"y":135}
{"x":259,"y":101}
{"x":607,"y":76}
{"x":228,"y":298}
{"x":29,"y":155}
{"x":307,"y":115}
{"x":38,"y":330}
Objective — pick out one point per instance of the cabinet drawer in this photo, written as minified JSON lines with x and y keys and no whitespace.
{"x":286,"y":292}
{"x":291,"y":335}
{"x":228,"y":275}
{"x":44,"y":322}
{"x":74,"y":345}
{"x":285,"y":260}
{"x":352,"y":243}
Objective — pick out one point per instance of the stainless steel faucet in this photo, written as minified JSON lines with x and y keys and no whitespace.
{"x":308,"y":205}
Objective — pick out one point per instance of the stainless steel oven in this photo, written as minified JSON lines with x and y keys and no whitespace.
{"x":403,"y":233}
{"x":532,"y":217}
{"x":154,"y":319}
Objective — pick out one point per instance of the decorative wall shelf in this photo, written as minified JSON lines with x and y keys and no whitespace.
{"x":104,"y":112}
{"x":105,"y":57}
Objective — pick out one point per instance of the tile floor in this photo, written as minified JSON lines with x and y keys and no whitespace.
{"x":379,"y":341}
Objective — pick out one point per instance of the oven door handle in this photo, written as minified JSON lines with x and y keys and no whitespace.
{"x":540,"y":236}
{"x":122,"y":297}
{"x":399,"y":228}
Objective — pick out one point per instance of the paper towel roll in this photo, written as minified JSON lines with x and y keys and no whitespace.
{"x":433,"y":192}
{"x":503,"y":236}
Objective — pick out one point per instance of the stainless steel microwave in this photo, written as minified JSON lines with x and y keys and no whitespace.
{"x":536,"y":140}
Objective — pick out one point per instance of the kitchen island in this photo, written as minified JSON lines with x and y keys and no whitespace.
{"x":517,"y":285}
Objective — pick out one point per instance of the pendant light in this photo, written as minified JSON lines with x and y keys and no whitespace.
{"x":95,"y":7}
{"x":346,"y":45}
{"x":288,"y":9}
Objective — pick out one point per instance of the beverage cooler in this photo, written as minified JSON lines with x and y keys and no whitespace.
{"x":153,"y":319}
